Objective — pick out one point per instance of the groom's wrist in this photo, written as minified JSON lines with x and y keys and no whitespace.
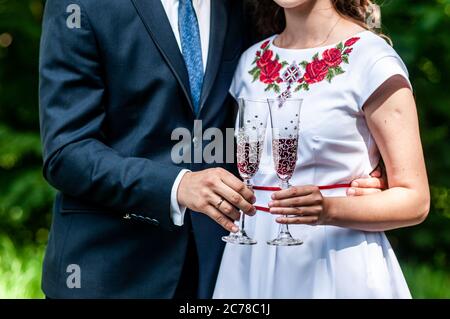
{"x":177,"y":209}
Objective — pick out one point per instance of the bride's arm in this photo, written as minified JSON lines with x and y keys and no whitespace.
{"x":392,"y":119}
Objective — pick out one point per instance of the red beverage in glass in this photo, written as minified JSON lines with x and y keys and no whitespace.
{"x":285,"y":156}
{"x":285,"y":121}
{"x":251,"y":125}
{"x":248,"y":158}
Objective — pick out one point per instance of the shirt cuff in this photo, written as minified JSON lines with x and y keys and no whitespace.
{"x":176,"y":210}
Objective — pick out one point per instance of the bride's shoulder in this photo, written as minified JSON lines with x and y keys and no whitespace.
{"x":261,"y":45}
{"x":371,"y":47}
{"x":249,"y":55}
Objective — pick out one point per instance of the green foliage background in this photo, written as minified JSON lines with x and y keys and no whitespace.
{"x":420,"y":32}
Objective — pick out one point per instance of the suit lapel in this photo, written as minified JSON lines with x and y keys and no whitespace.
{"x":158,"y":26}
{"x":219,"y":20}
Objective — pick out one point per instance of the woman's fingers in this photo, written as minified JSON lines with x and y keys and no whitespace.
{"x":297,"y":211}
{"x":307,"y":220}
{"x":304,"y":205}
{"x":300,"y":201}
{"x":294,"y":191}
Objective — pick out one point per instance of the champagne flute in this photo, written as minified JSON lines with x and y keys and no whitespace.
{"x":251,"y":130}
{"x":285,"y":122}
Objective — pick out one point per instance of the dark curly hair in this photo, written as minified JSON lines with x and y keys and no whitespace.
{"x":269,"y":17}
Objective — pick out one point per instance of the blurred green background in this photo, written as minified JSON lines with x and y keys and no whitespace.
{"x":420,"y":31}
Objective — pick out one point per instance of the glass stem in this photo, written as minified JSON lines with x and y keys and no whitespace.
{"x":242,"y":223}
{"x":284,"y":227}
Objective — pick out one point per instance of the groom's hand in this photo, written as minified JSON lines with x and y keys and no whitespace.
{"x":218,"y":194}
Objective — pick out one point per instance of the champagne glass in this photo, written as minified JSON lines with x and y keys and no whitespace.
{"x":251,"y":131}
{"x":285,"y":122}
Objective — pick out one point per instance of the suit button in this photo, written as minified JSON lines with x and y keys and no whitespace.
{"x":151,"y":221}
{"x":155,"y":222}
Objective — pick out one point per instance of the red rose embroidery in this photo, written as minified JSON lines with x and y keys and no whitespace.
{"x":265,"y":44}
{"x":271,"y":72}
{"x":332,"y":57}
{"x":348,"y":51}
{"x":265,"y":59}
{"x":351,"y":41}
{"x":315,"y":71}
{"x":266,"y":68}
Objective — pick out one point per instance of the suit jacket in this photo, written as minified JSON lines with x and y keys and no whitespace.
{"x":113,"y":87}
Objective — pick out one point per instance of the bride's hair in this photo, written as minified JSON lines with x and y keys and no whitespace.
{"x":270,"y":19}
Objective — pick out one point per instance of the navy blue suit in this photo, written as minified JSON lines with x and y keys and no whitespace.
{"x":112,"y":89}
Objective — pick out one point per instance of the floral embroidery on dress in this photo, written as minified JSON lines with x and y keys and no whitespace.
{"x":275,"y":74}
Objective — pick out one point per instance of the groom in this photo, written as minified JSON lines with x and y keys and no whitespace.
{"x":117,"y":77}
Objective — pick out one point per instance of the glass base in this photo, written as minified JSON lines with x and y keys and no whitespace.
{"x":285,"y":239}
{"x":240,"y":238}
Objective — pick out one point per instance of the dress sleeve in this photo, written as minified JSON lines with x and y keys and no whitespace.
{"x":379,"y":72}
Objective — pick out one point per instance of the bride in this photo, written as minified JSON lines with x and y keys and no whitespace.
{"x":358,"y":106}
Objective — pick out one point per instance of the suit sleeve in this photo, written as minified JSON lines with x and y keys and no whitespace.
{"x":77,"y":160}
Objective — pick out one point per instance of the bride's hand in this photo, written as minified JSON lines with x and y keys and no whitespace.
{"x":303,"y":204}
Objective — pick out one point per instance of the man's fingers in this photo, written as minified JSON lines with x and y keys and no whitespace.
{"x":221,"y":219}
{"x":234,"y":198}
{"x":370,"y":182}
{"x":229,"y":210}
{"x":362,"y":191}
{"x":235,"y":184}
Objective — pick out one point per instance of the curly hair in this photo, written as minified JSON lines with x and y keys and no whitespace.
{"x":269,"y":16}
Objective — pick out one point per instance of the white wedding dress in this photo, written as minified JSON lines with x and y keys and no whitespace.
{"x":335,"y":147}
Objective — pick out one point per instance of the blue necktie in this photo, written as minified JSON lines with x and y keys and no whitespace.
{"x":191,"y":48}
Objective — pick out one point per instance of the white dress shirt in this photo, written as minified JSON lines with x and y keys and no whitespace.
{"x":203,"y":11}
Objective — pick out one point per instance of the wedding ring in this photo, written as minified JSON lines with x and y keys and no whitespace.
{"x":219,"y":203}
